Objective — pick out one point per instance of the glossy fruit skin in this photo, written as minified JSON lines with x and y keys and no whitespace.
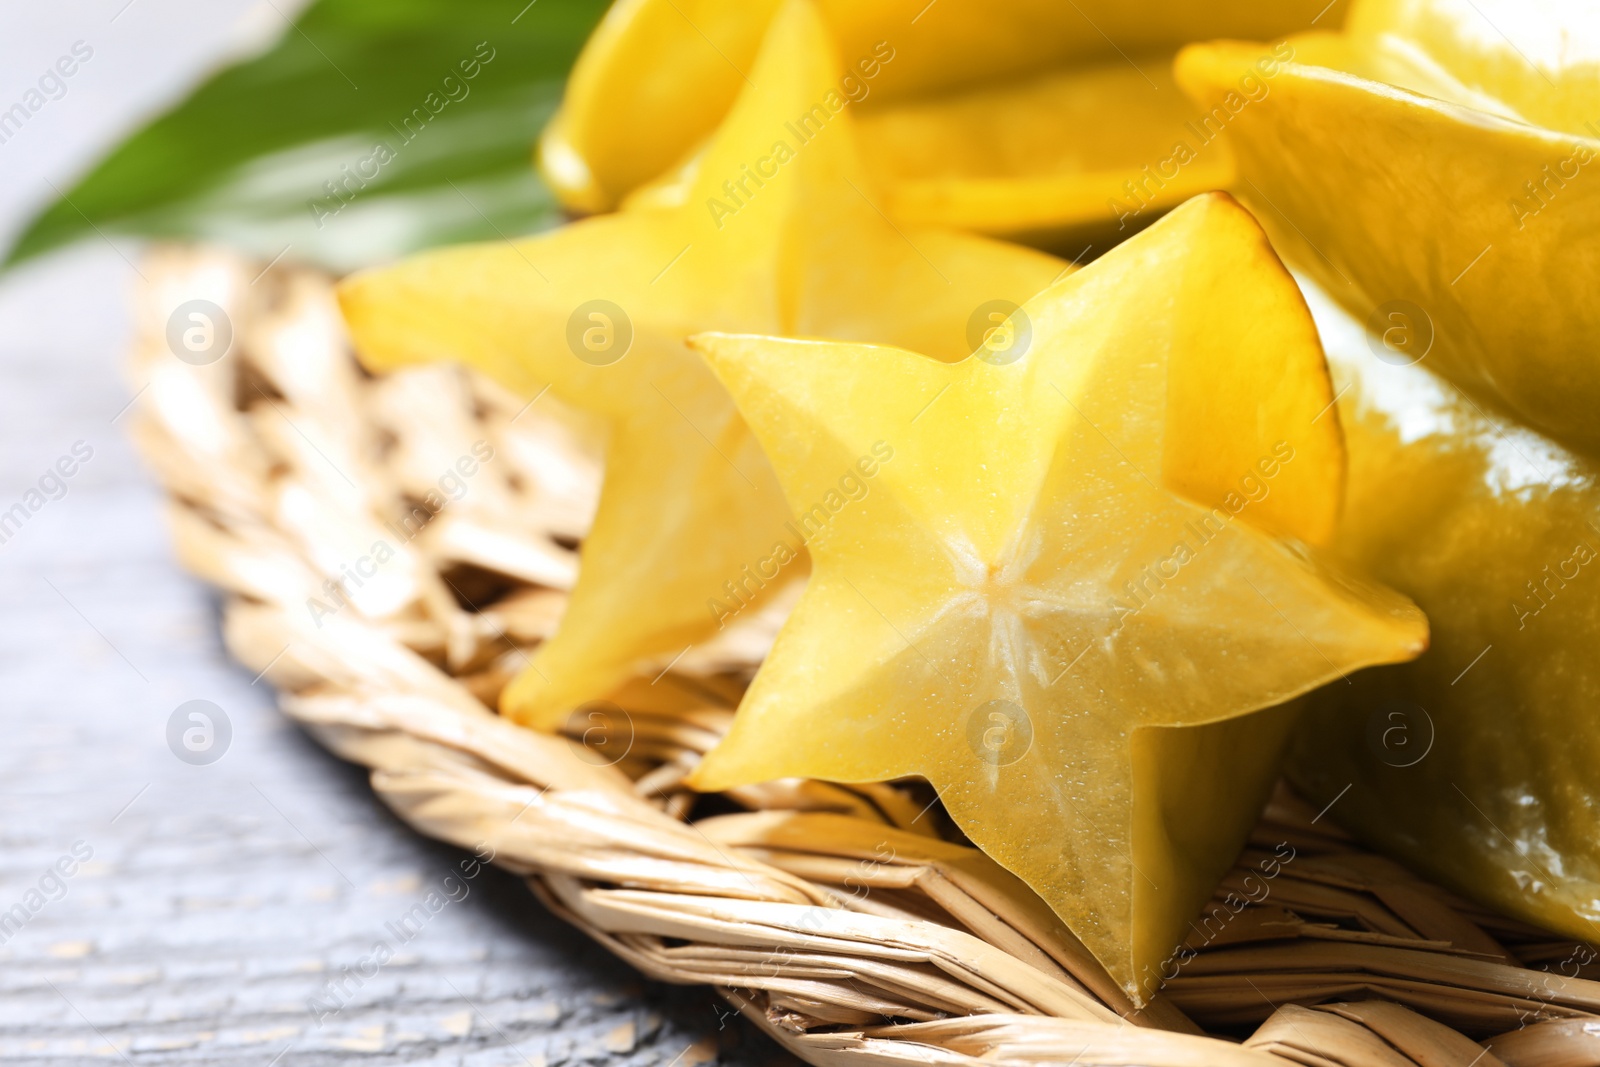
{"x":1423,"y":164}
{"x":1479,"y":763}
{"x":1028,"y":119}
{"x":1076,"y":582}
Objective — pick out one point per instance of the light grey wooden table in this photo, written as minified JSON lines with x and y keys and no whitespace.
{"x":209,"y":908}
{"x":229,"y":913}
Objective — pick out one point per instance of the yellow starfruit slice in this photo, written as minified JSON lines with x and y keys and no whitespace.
{"x":1435,"y":168}
{"x":1479,"y":763}
{"x":1023,"y":118}
{"x":1072,"y":568}
{"x":1095,"y":150}
{"x":690,"y":529}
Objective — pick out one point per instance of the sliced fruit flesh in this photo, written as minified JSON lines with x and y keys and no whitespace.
{"x":658,"y":76}
{"x":689,"y":504}
{"x":1059,"y":593}
{"x":1111,"y":144}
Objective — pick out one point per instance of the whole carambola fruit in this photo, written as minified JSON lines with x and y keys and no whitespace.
{"x":1478,"y":763}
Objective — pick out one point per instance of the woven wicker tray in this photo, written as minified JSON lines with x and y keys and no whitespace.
{"x":851,"y":923}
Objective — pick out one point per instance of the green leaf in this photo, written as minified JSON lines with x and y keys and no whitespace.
{"x":372,"y":128}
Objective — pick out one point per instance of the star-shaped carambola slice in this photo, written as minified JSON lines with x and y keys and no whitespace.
{"x":780,"y":235}
{"x":1076,"y":579}
{"x":1042,"y":121}
{"x":1434,"y":166}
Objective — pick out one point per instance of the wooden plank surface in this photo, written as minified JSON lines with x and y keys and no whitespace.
{"x":217,"y":902}
{"x":229,"y":912}
{"x":153,"y":911}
